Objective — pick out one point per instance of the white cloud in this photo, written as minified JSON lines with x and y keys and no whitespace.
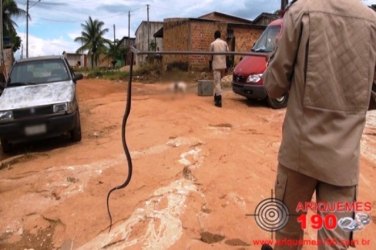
{"x":42,"y":47}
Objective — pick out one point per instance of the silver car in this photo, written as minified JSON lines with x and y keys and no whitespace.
{"x":38,"y":101}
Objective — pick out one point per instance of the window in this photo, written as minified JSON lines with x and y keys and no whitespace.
{"x":37,"y":72}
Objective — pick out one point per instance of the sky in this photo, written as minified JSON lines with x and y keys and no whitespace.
{"x":55,"y":23}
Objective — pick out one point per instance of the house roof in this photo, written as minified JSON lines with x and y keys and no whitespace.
{"x":126,"y":38}
{"x":234,"y":19}
{"x":265,"y":14}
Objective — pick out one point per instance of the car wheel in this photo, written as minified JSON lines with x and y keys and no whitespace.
{"x":6,"y":146}
{"x":278,"y":102}
{"x":76,"y":132}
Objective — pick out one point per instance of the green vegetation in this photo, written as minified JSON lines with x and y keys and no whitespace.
{"x":92,"y":40}
{"x":11,"y":10}
{"x":116,"y":52}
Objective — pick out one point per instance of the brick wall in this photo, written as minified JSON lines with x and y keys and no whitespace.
{"x":180,"y":34}
{"x":202,"y":37}
{"x":244,"y":39}
{"x":176,"y":36}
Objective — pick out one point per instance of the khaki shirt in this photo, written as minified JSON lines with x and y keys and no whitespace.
{"x":325,"y":60}
{"x":219,"y":61}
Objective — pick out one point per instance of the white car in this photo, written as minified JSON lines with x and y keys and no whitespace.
{"x":38,"y":101}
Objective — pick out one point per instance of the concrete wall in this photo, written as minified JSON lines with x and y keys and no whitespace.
{"x":125,"y":42}
{"x":74,"y":58}
{"x":142,"y":38}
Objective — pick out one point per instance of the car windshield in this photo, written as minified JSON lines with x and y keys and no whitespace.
{"x":37,"y":72}
{"x":266,"y":43}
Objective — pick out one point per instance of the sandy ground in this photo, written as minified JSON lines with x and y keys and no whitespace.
{"x":198,"y":171}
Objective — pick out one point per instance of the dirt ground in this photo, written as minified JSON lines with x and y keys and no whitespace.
{"x":198,"y":172}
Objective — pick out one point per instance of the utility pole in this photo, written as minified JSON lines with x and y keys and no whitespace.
{"x":148,"y":24}
{"x":1,"y":34}
{"x":284,"y":4}
{"x":129,"y":25}
{"x":27,"y":28}
{"x":114,"y":33}
{"x":27,"y":25}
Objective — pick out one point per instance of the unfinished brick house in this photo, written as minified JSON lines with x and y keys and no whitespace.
{"x":196,"y":34}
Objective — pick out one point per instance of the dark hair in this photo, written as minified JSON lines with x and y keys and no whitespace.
{"x":217,"y":34}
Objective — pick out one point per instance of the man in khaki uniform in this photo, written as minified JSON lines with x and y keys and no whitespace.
{"x":218,"y":65}
{"x":325,"y":59}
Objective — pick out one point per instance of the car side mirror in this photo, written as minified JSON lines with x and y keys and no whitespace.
{"x":77,"y":76}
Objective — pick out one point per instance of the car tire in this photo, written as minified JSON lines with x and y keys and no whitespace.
{"x":76,"y":132}
{"x":6,"y":146}
{"x":278,"y":103}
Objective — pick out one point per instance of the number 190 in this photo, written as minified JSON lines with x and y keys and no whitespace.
{"x":329,"y":221}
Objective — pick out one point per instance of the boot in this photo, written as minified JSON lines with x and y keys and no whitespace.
{"x":266,"y":247}
{"x":218,"y":101}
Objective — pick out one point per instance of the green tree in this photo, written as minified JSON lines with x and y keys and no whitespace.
{"x":116,"y":51}
{"x":92,"y":40}
{"x":11,"y":10}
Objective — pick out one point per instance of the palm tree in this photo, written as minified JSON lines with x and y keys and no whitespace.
{"x":92,"y":39}
{"x":11,"y":10}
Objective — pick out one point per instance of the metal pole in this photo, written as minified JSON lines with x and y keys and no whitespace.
{"x":203,"y":53}
{"x":27,"y":28}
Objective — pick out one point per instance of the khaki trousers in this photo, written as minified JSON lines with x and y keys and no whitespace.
{"x":217,"y":75}
{"x":292,"y":187}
